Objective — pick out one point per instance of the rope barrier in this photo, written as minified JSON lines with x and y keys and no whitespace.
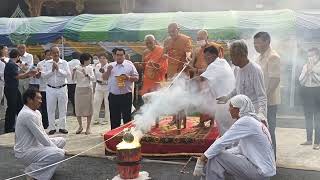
{"x":59,"y":162}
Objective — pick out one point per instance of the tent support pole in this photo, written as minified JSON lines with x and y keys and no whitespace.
{"x":62,"y":47}
{"x":293,"y":74}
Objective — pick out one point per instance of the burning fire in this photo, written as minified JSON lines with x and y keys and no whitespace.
{"x":131,"y":139}
{"x":126,"y":145}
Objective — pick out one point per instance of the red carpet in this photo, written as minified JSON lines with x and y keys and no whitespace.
{"x":164,"y":141}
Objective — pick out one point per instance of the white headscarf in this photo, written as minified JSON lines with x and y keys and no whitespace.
{"x":245,"y":105}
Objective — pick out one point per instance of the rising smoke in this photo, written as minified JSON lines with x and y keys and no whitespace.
{"x":182,"y":95}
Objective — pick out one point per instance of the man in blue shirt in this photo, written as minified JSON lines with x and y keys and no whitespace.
{"x":12,"y":74}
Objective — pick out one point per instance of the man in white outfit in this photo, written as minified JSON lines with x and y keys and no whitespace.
{"x":33,"y":147}
{"x":217,"y":80}
{"x":101,"y":91}
{"x":252,"y":158}
{"x":4,"y":54}
{"x":43,"y":87}
{"x":2,"y":66}
{"x":249,"y":79}
{"x":26,"y":65}
{"x":71,"y":84}
{"x":56,"y":72}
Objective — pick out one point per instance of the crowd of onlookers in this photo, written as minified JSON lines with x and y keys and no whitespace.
{"x":79,"y":81}
{"x":49,"y":83}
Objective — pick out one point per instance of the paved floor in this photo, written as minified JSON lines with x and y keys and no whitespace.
{"x":290,"y":155}
{"x":87,"y":168}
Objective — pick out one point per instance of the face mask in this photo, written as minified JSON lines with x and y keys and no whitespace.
{"x":201,"y":43}
{"x":313,"y":59}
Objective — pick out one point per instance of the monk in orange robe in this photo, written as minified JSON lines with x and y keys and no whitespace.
{"x":198,"y":61}
{"x":155,"y":66}
{"x":200,"y":64}
{"x":178,"y":48}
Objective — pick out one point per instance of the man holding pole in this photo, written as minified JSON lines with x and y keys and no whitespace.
{"x":177,"y":48}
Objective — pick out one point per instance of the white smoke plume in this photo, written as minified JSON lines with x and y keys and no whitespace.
{"x":182,"y":95}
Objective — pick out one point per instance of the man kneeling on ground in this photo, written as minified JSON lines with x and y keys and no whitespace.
{"x":252,"y":158}
{"x":32,"y":145}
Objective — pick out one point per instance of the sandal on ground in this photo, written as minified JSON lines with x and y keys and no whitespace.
{"x":306,"y":143}
{"x":79,"y":131}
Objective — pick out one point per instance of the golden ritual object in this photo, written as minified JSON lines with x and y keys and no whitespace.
{"x":121,"y":81}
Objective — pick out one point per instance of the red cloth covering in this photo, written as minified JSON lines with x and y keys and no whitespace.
{"x":165,"y":141}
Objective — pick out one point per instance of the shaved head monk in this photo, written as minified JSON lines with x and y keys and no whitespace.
{"x":199,"y":63}
{"x":155,"y":65}
{"x":177,"y":48}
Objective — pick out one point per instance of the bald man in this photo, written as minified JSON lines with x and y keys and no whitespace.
{"x":155,"y":65}
{"x":200,"y":64}
{"x":198,"y":61}
{"x":56,"y":72}
{"x":178,"y":48}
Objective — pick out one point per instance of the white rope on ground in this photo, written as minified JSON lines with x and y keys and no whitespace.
{"x":15,"y":177}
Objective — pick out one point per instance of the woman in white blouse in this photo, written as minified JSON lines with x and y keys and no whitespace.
{"x":310,"y":89}
{"x":83,"y":76}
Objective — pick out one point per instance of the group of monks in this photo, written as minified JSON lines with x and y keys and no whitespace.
{"x":163,"y":63}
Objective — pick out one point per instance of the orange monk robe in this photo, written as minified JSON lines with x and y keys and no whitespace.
{"x":155,"y":69}
{"x":176,"y":50}
{"x":199,"y":61}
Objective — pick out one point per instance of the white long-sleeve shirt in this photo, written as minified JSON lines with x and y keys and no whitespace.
{"x":220,"y":76}
{"x":6,"y":59}
{"x":312,"y":78}
{"x":2,"y":66}
{"x":254,"y":143}
{"x":27,"y":59}
{"x":127,"y":68}
{"x":34,"y":80}
{"x":250,"y":82}
{"x":98,"y":76}
{"x":56,"y":78}
{"x":29,"y":132}
{"x":80,"y":79}
{"x":72,"y":64}
{"x":42,"y":80}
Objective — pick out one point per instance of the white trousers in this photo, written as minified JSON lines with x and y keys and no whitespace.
{"x":53,"y":97}
{"x":23,"y":85}
{"x":99,"y":96}
{"x":238,"y":166}
{"x":2,"y":96}
{"x":40,"y":157}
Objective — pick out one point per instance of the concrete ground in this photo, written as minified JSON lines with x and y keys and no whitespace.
{"x":89,"y":168}
{"x":294,"y":161}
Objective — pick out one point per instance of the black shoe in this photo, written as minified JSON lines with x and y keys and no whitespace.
{"x":8,"y":130}
{"x":52,"y":132}
{"x":63,"y":131}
